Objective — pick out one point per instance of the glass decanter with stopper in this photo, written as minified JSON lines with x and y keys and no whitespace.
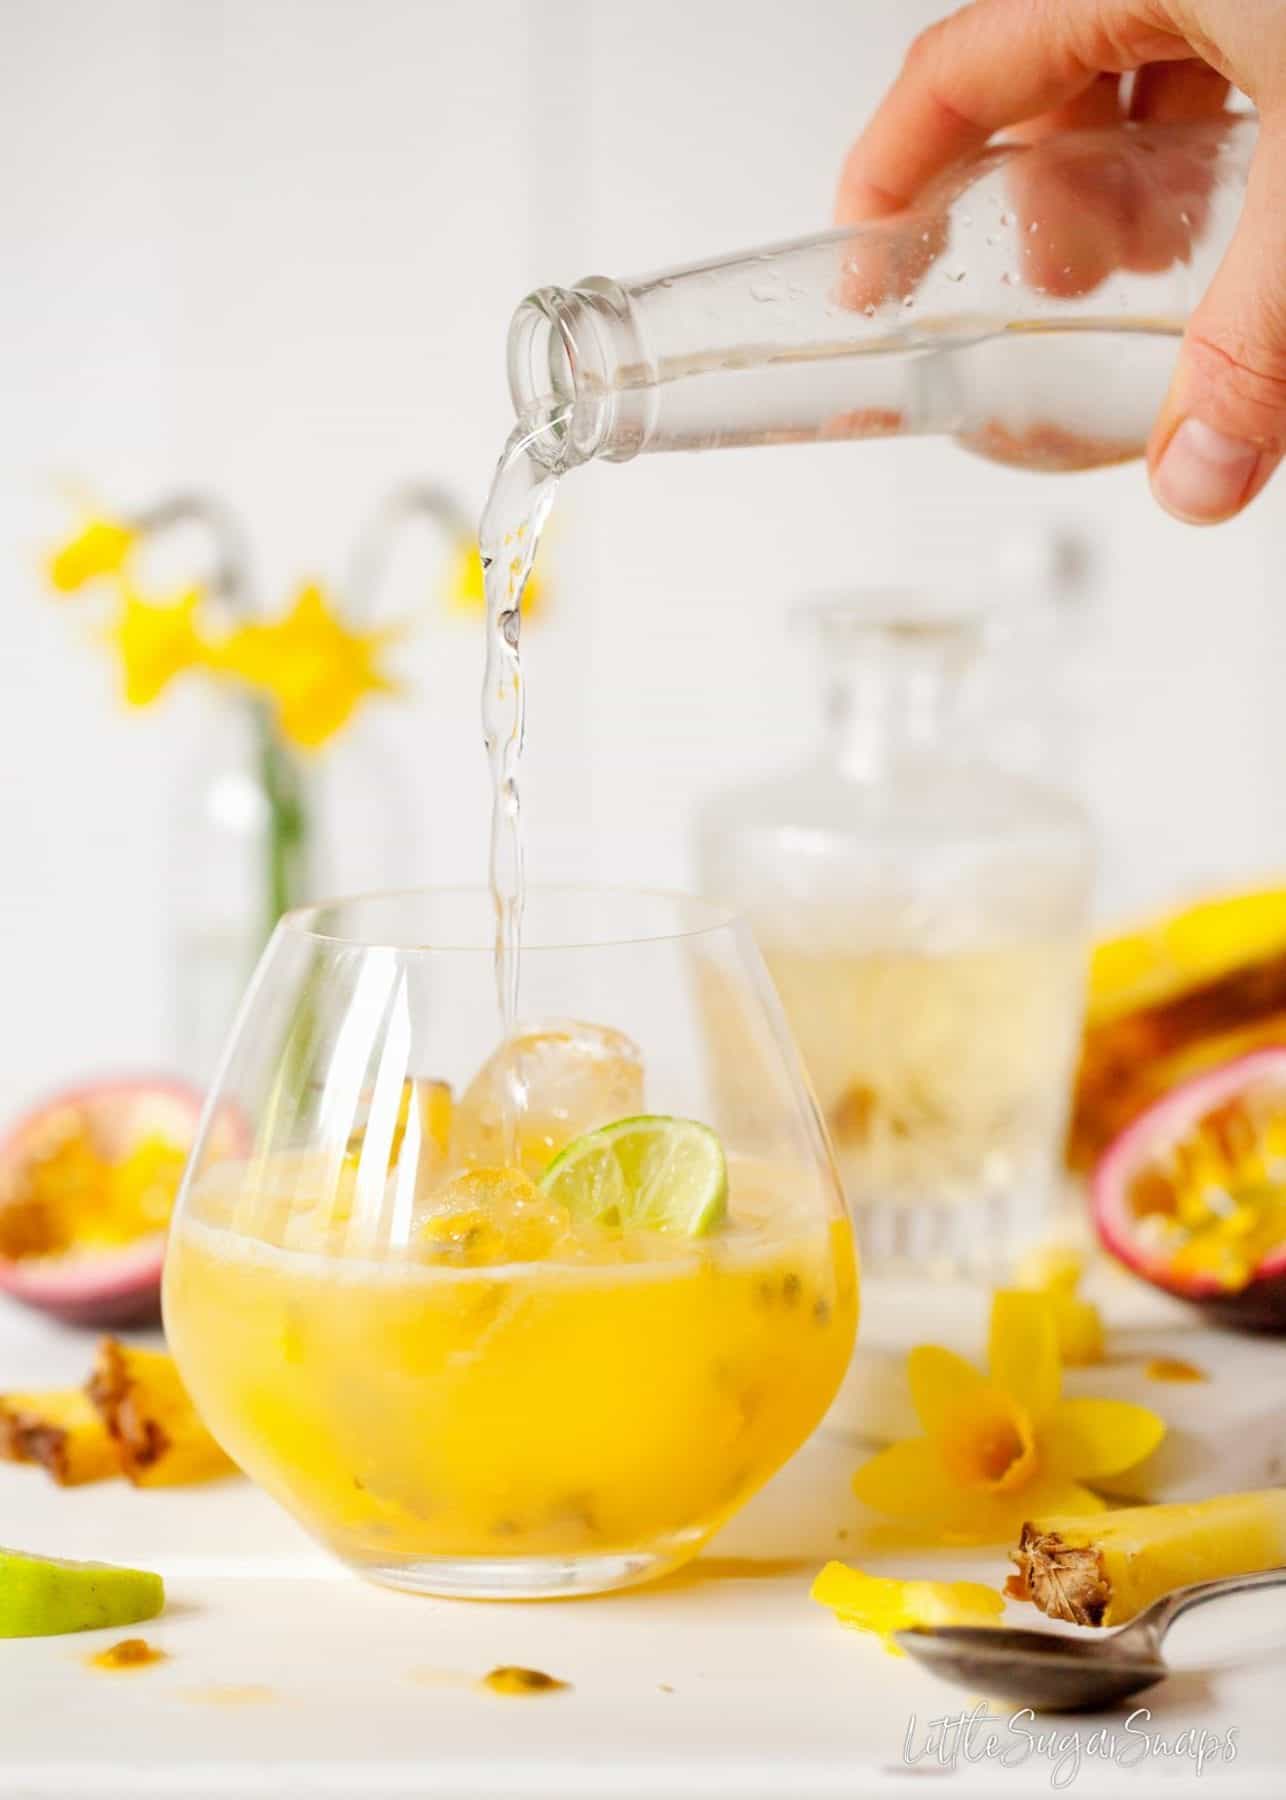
{"x":1029,"y":306}
{"x":923,"y":915}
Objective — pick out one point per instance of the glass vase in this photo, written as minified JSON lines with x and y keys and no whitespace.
{"x":243,"y":856}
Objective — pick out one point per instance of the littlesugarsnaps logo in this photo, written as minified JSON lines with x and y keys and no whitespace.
{"x":980,"y":1736}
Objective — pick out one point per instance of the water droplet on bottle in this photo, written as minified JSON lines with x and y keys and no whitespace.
{"x":966,"y":218}
{"x":956,"y":274}
{"x":909,"y":302}
{"x":1033,"y":227}
{"x":924,"y":237}
{"x":1006,"y":220}
{"x":1185,"y":218}
{"x":869,"y":310}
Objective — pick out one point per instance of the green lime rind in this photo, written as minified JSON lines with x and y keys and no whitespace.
{"x":652,"y":1171}
{"x":42,"y":1596}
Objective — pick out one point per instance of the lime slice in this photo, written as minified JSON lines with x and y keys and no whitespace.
{"x":664,"y":1174}
{"x":42,"y":1596}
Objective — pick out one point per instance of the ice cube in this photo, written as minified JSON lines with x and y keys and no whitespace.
{"x":548,"y":1084}
{"x":485,"y":1216}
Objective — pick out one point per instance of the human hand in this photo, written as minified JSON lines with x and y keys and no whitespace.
{"x":1031,"y":67}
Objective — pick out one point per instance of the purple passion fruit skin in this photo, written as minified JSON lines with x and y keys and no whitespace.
{"x":87,"y":1182}
{"x":1192,"y":1195}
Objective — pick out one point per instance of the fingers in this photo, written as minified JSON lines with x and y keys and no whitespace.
{"x":991,"y":65}
{"x":1173,"y":93}
{"x":1222,"y":430}
{"x":1098,"y":108}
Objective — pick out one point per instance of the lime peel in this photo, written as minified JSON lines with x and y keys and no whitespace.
{"x":662,"y":1173}
{"x":45,"y":1596}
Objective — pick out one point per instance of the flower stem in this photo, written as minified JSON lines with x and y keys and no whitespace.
{"x":288,"y":824}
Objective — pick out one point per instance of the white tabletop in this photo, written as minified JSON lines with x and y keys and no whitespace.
{"x":287,"y":1676}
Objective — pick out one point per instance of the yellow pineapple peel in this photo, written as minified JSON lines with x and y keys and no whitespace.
{"x":882,"y":1605}
{"x":1106,"y":1567}
{"x":159,"y":1438}
{"x":60,"y":1430}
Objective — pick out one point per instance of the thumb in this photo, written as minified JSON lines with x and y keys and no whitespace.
{"x":1222,"y":429}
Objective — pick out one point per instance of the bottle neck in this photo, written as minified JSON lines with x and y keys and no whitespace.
{"x":951,"y":318}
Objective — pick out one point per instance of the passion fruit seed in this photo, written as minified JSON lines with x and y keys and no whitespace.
{"x":130,"y":1653}
{"x":510,"y":1679}
{"x":1174,"y":1368}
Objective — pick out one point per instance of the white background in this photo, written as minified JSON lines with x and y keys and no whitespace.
{"x":272,"y":248}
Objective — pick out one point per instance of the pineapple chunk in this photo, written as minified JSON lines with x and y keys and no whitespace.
{"x":883,"y":1605}
{"x":141,"y":1400}
{"x":1105,"y":1568}
{"x":60,"y":1430}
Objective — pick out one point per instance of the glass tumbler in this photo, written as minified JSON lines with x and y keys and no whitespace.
{"x":509,"y":1319}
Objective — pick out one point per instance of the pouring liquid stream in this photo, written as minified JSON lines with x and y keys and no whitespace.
{"x":522,"y":493}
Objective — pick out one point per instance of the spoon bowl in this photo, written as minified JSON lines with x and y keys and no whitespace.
{"x":1040,"y":1669}
{"x":1052,"y":1672}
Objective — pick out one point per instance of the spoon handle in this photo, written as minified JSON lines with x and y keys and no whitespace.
{"x":1159,"y":1617}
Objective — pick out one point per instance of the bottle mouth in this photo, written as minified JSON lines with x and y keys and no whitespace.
{"x":544,"y":358}
{"x":577,"y":375}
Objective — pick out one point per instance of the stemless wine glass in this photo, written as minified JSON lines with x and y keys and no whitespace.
{"x":511,"y":1319}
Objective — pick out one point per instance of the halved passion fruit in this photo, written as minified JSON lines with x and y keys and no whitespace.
{"x":1192,"y":1196}
{"x":87,"y":1184}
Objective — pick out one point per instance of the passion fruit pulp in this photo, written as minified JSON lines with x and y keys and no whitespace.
{"x":1192,"y":1196}
{"x":87,"y":1183}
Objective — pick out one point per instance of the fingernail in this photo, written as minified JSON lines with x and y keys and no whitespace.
{"x":1203,"y":475}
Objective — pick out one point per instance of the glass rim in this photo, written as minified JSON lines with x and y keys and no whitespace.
{"x":694,"y":915}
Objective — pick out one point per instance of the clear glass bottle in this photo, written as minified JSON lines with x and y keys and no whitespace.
{"x":923,"y":915}
{"x":1028,"y":306}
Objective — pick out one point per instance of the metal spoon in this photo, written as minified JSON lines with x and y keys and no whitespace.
{"x":1053,"y":1673}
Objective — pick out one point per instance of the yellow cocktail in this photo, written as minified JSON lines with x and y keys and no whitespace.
{"x":514,"y":1312}
{"x":610,"y":1401}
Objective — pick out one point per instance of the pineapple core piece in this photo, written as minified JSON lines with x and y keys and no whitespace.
{"x":1105,"y":1568}
{"x":159,"y":1438}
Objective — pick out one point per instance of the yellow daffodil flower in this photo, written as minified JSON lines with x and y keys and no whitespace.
{"x":313,"y":669}
{"x":882,"y":1605}
{"x":1003,"y":1447}
{"x":101,"y":547}
{"x":464,"y":589}
{"x":156,"y":641}
{"x":1055,"y":1271}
